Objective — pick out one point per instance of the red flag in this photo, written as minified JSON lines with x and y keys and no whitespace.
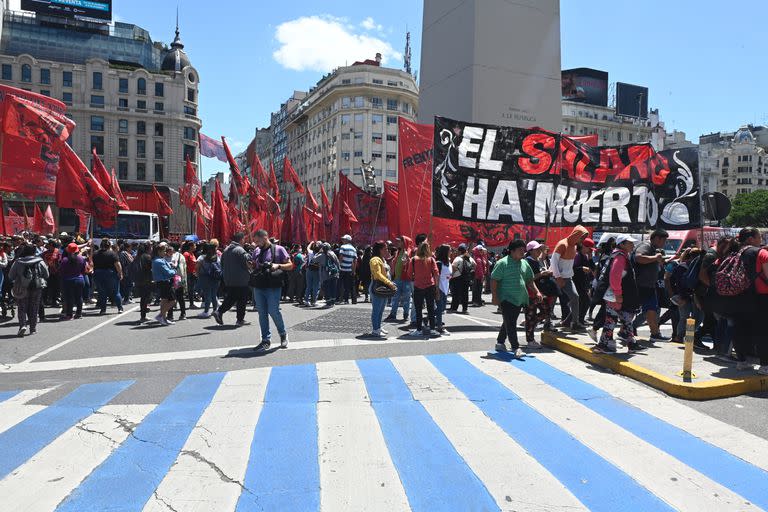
{"x":311,"y":202}
{"x":274,"y":223}
{"x":240,"y":181}
{"x":163,"y":208}
{"x":14,"y":223}
{"x":101,"y":173}
{"x":289,"y":175}
{"x":122,"y":202}
{"x":392,"y":207}
{"x":220,"y":225}
{"x":29,"y":224}
{"x":192,"y":192}
{"x":273,"y":183}
{"x":327,"y":210}
{"x":298,"y":225}
{"x":33,"y":128}
{"x":349,"y":213}
{"x":286,"y":232}
{"x":235,"y":218}
{"x":77,"y":187}
{"x":38,"y":221}
{"x":2,"y":216}
{"x":49,"y":224}
{"x":258,"y":172}
{"x":203,"y":210}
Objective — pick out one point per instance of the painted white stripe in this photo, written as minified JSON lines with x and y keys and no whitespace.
{"x":746,"y":446}
{"x":356,"y":471}
{"x":14,"y":410}
{"x":49,"y":476}
{"x":94,"y":362}
{"x":483,"y":321}
{"x":80,"y":335}
{"x":663,"y":475}
{"x":209,"y":472}
{"x":514,"y":478}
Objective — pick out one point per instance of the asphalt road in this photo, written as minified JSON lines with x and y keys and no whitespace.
{"x":65,"y":355}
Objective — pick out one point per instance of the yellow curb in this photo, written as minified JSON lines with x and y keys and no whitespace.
{"x":705,"y":390}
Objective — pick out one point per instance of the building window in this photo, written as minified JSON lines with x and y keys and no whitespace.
{"x":375,"y":155}
{"x":26,"y":73}
{"x":377,"y":119}
{"x":391,"y":156}
{"x":122,"y":126}
{"x":141,"y":148}
{"x":122,"y":103}
{"x":345,"y":136}
{"x":359,"y":135}
{"x":391,"y":119}
{"x":189,"y":133}
{"x":345,"y":155}
{"x":392,"y":137}
{"x":391,"y":104}
{"x":141,"y":105}
{"x":346,"y":81}
{"x":345,"y":119}
{"x":97,"y":80}
{"x":45,"y":76}
{"x":377,"y":103}
{"x":141,"y":171}
{"x":97,"y":101}
{"x":97,"y":123}
{"x":158,"y":150}
{"x":345,"y":102}
{"x":7,"y":72}
{"x":141,"y":128}
{"x":122,"y":147}
{"x":122,"y":86}
{"x":158,"y":172}
{"x":158,"y":129}
{"x":141,"y":86}
{"x":359,"y":102}
{"x":159,"y":106}
{"x":159,"y":89}
{"x":66,"y":78}
{"x":358,"y":153}
{"x":45,"y":92}
{"x":406,"y":108}
{"x":97,"y":142}
{"x":191,"y":94}
{"x":122,"y":170}
{"x":66,"y":98}
{"x":189,"y":151}
{"x":378,"y":81}
{"x":392,"y":83}
{"x":190,"y":111}
{"x":376,"y":137}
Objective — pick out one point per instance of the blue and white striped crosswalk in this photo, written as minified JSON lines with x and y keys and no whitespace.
{"x":426,"y":433}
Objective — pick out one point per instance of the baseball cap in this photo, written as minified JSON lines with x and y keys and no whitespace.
{"x":72,"y":248}
{"x":625,"y":238}
{"x":347,"y":237}
{"x":588,"y":242}
{"x":462,"y":246}
{"x":532,"y":246}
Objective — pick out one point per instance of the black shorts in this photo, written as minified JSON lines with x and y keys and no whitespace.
{"x":165,"y":290}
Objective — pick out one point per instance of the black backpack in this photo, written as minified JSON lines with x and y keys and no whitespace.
{"x":467,"y":272}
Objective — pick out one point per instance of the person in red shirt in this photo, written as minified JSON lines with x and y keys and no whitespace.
{"x":422,"y":270}
{"x":189,"y":249}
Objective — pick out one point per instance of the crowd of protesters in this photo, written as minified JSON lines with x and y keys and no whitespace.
{"x":607,"y":288}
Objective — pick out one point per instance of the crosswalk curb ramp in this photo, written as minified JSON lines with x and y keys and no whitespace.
{"x":673,"y":384}
{"x":447,"y":432}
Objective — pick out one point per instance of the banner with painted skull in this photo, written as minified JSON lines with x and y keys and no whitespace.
{"x":501,"y":174}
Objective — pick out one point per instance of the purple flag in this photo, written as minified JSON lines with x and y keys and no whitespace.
{"x":212,"y":148}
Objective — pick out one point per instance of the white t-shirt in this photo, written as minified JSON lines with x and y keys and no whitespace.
{"x":445,"y":276}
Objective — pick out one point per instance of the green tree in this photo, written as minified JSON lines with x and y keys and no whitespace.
{"x":750,"y":210}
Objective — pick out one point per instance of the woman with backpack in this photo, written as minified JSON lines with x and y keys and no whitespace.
{"x":312,"y":275}
{"x":422,"y":270}
{"x":163,"y":275}
{"x":209,"y":279}
{"x":381,"y":287}
{"x":681,"y":295}
{"x":28,"y":274}
{"x":72,"y":271}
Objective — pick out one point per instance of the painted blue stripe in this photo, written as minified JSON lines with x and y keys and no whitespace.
{"x":5,"y":395}
{"x":23,"y":440}
{"x":133,"y":471}
{"x":434,"y":475}
{"x":717,"y":464}
{"x":283,"y":471}
{"x":597,"y":483}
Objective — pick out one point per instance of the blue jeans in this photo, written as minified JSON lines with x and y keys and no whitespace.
{"x":402,"y":297}
{"x":313,"y":286}
{"x":687,"y":310}
{"x":379,"y":304}
{"x":442,"y":302}
{"x":209,"y":289}
{"x":108,"y":285}
{"x":268,"y":303}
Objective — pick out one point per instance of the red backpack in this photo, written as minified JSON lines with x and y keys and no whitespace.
{"x":732,"y":277}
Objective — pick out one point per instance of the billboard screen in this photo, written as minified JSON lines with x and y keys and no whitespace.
{"x":99,"y":9}
{"x":629,"y":97}
{"x":585,"y":85}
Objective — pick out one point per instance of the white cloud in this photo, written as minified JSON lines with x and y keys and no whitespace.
{"x":369,"y":24}
{"x":322,"y":43}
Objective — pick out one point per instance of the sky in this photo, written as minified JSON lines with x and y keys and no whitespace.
{"x":703,"y":61}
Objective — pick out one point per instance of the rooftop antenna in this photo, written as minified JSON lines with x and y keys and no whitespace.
{"x":407,"y":53}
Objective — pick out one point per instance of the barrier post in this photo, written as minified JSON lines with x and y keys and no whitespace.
{"x":690,"y":332}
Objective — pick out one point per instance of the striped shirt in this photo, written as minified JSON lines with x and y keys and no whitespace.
{"x":347,"y":254}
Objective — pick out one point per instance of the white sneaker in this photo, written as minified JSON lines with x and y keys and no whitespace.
{"x":744,"y":365}
{"x":763,"y":370}
{"x":382,"y":331}
{"x":169,"y":322}
{"x":534,"y":344}
{"x":519,"y":353}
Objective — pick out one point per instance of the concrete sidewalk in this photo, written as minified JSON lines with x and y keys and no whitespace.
{"x":660,"y":366}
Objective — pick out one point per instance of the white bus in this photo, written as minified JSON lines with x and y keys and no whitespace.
{"x":132,"y":227}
